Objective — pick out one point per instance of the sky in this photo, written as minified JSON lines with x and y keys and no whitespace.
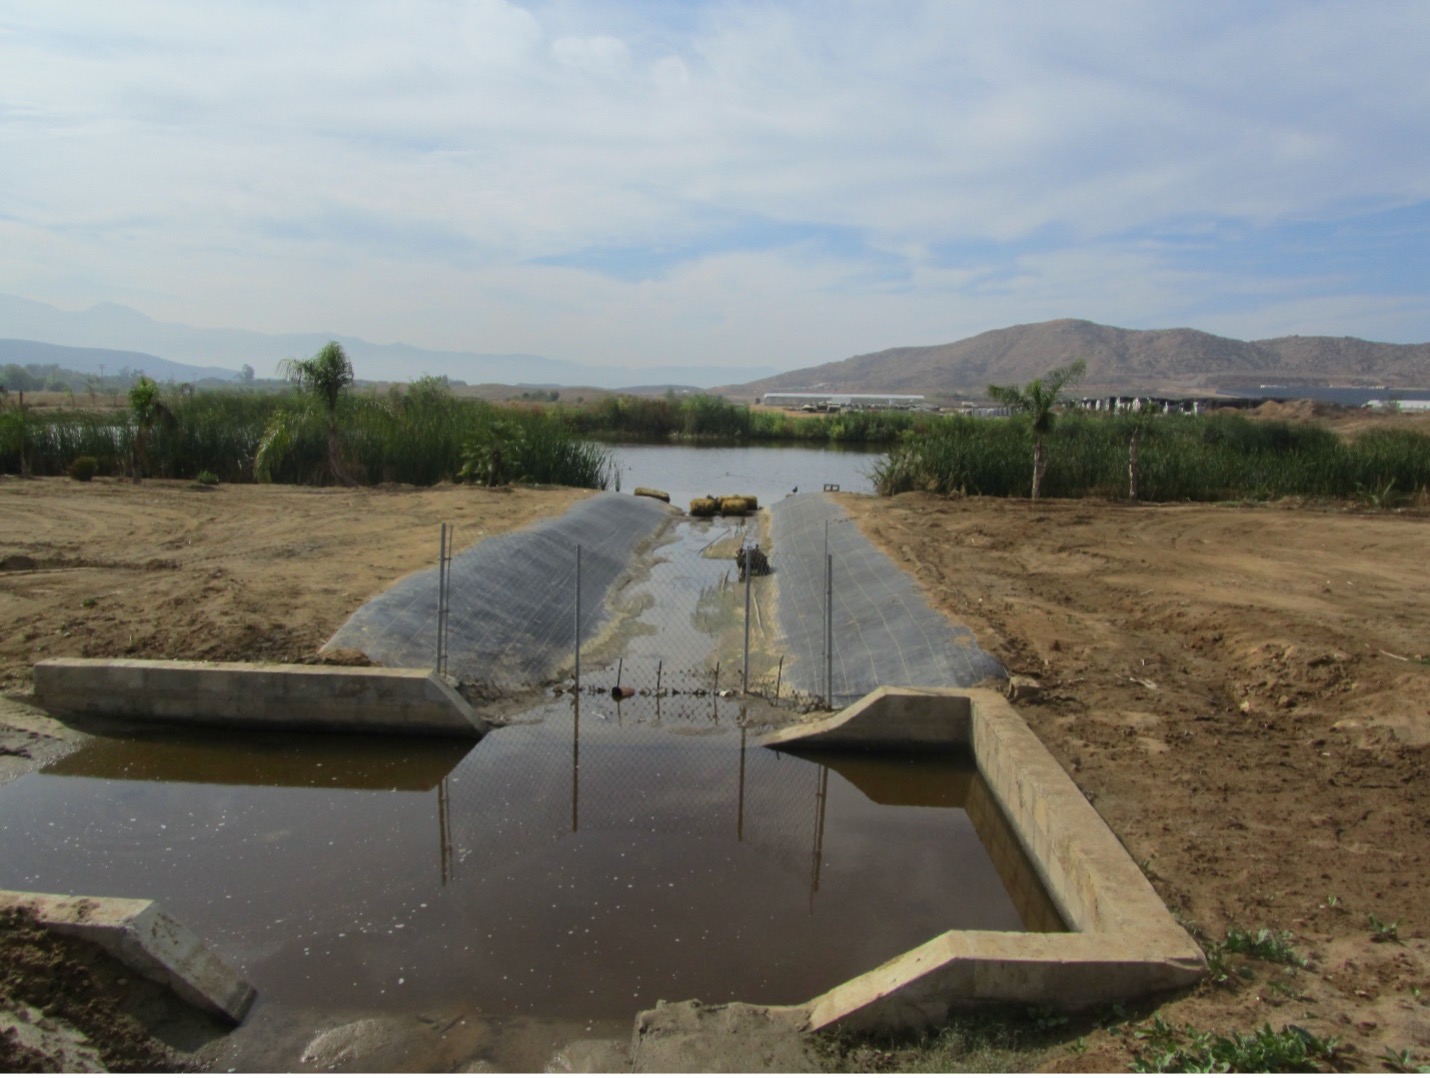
{"x":643,"y":182}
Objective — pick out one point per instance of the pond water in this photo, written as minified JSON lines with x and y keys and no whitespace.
{"x":768,"y":472}
{"x":576,"y":865}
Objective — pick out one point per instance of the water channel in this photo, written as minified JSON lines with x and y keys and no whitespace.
{"x":581,"y":863}
{"x":560,"y":867}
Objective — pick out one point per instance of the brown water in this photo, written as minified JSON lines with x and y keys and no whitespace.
{"x":563,"y":867}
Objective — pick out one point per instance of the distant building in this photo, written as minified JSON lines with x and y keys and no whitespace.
{"x":826,"y":402}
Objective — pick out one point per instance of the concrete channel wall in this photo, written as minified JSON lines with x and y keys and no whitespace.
{"x":1122,"y":942}
{"x":271,"y":696}
{"x":147,"y":940}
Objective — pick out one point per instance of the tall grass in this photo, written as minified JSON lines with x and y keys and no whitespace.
{"x":420,"y":437}
{"x":702,"y":417}
{"x":1182,"y":458}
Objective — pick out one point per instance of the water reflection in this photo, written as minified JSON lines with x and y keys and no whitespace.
{"x":253,"y":758}
{"x":591,"y":859}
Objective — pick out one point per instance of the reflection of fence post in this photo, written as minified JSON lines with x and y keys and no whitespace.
{"x":749,"y":575}
{"x":578,"y":618}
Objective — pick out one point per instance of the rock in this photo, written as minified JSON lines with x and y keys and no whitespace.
{"x":1023,"y":690}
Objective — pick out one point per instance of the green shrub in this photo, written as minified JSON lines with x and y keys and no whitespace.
{"x":83,"y":469}
{"x":206,"y":478}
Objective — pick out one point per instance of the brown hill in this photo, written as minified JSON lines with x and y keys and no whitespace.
{"x":1159,"y":360}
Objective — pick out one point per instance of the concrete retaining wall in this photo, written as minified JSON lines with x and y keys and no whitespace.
{"x":147,"y":940}
{"x":325,"y":698}
{"x":1122,"y":943}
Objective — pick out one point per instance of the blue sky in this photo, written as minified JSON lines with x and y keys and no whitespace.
{"x":759,"y":184}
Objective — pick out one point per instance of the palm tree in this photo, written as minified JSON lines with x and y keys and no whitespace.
{"x":147,"y":409}
{"x":322,"y":378}
{"x":1037,"y":400}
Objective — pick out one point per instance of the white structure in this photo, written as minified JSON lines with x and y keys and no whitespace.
{"x":825,"y":401}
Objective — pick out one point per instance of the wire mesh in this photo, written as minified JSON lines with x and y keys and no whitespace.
{"x":666,"y":609}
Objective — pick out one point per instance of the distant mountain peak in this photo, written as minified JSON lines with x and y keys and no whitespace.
{"x":1149,"y":360}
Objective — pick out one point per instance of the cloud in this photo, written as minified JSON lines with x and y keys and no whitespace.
{"x":801,"y":180}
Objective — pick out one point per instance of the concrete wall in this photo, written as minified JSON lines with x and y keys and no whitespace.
{"x":272,"y":696}
{"x":147,"y":940}
{"x":1122,"y":942}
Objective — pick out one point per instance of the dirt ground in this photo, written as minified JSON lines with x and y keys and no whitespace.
{"x":1244,"y":695}
{"x":1242,"y":692}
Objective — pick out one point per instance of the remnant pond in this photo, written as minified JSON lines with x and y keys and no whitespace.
{"x":583,"y":862}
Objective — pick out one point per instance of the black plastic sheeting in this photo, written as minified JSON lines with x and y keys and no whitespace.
{"x":884,"y":631}
{"x":512,"y":597}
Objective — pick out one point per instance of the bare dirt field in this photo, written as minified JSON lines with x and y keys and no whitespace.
{"x":1242,"y":692}
{"x":1244,"y":695}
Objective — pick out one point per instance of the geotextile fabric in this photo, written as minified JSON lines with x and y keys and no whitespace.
{"x":511,"y":597}
{"x":884,"y":631}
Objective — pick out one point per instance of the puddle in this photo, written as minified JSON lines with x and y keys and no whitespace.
{"x":563,"y":867}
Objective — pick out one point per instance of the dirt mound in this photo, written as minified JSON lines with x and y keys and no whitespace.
{"x":1299,"y":411}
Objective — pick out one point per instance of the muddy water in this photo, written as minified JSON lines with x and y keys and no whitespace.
{"x":768,"y":472}
{"x":568,"y":866}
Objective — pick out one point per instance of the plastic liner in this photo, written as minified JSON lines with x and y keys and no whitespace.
{"x":884,"y":631}
{"x":512,"y":597}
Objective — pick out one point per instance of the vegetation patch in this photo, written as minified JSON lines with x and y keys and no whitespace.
{"x":83,"y":469}
{"x":1292,"y":1049}
{"x":1205,"y":458}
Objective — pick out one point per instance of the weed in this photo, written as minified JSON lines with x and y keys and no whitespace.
{"x":206,"y":478}
{"x":1381,"y":932}
{"x":83,"y":469}
{"x":1264,"y":944}
{"x":1281,"y":988}
{"x":984,"y":1041}
{"x":1332,"y":902}
{"x":1292,"y":1049}
{"x":1402,"y":1062}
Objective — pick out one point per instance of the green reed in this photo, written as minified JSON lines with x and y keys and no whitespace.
{"x":1182,"y":458}
{"x":418,"y":437}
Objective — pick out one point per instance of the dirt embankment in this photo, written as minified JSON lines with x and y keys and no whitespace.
{"x":1244,"y":694}
{"x":170,"y":570}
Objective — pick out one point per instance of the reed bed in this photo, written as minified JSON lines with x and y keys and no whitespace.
{"x":703,"y":417}
{"x":1182,"y":458}
{"x":419,"y":437}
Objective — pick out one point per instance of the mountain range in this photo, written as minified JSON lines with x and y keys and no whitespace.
{"x":110,"y":326}
{"x":1169,"y":361}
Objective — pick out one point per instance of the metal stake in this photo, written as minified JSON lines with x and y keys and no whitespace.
{"x":829,"y":630}
{"x":578,"y":619}
{"x":441,"y":598}
{"x":749,"y":574}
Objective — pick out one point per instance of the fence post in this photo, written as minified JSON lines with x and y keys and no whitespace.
{"x":441,"y":599}
{"x":447,"y":600}
{"x":829,"y":630}
{"x":749,"y":575}
{"x":578,"y":620}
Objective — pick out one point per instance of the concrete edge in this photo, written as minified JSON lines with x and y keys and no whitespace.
{"x":261,"y":695}
{"x":147,"y":940}
{"x":1122,"y":942}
